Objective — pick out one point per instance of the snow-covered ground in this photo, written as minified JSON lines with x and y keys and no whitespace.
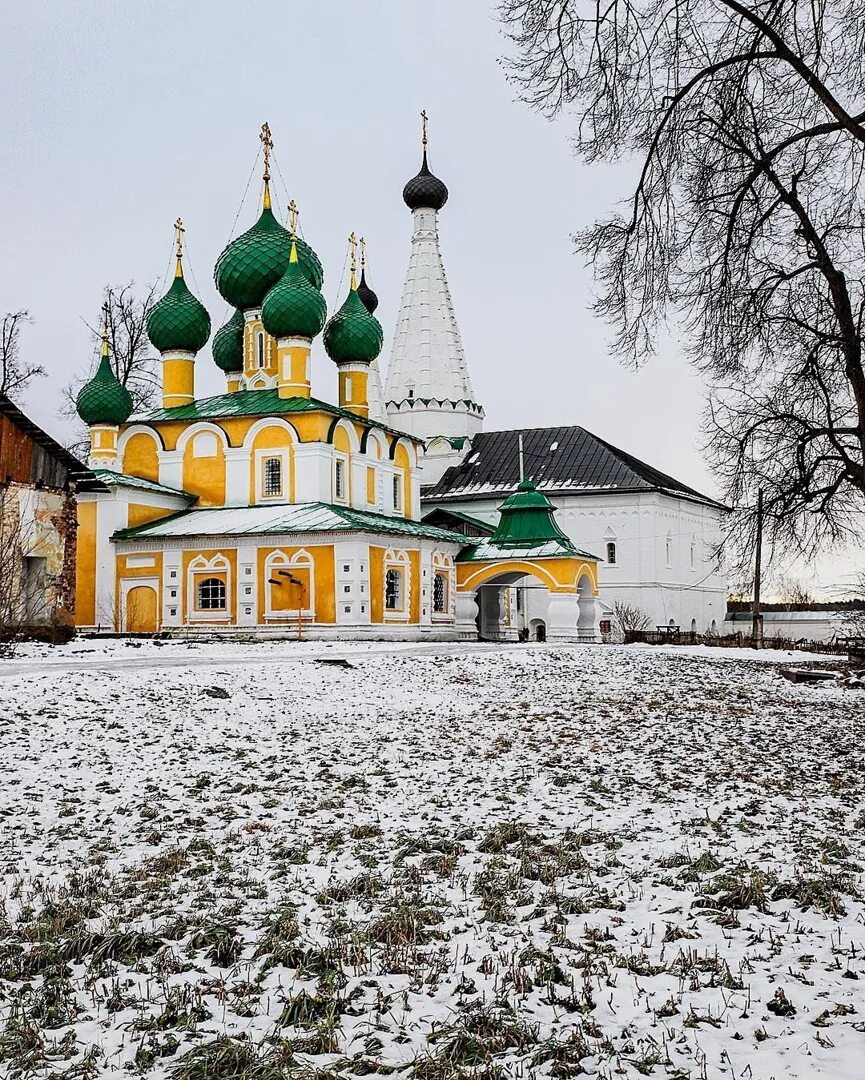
{"x":434,"y":863}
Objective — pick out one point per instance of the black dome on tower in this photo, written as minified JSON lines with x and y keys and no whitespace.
{"x":425,"y":191}
{"x":370,"y":300}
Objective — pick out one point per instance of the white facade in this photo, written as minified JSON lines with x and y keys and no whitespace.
{"x":665,"y":561}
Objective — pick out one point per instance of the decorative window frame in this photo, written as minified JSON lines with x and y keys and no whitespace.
{"x":341,"y":457}
{"x":395,"y":559}
{"x":202,"y":567}
{"x":263,"y":453}
{"x":281,"y":560}
{"x":443,"y":565}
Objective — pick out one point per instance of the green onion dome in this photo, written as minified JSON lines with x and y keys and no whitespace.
{"x":253,"y":263}
{"x":104,"y":400}
{"x":293,"y":307}
{"x":228,"y":344}
{"x":353,"y":335}
{"x":178,"y":321}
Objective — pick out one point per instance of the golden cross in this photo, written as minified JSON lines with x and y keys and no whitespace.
{"x":424,"y":119}
{"x":352,"y":243}
{"x":105,"y":310}
{"x":179,"y":230}
{"x":292,"y":217}
{"x":362,"y":243}
{"x":267,"y":143}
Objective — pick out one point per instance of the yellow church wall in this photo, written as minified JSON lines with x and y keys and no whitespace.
{"x":140,"y":457}
{"x":140,"y":514}
{"x":370,"y":485}
{"x":402,"y":462}
{"x":85,"y":565}
{"x":325,"y":583}
{"x":229,"y":576}
{"x":273,"y":437}
{"x":376,"y":584}
{"x":205,"y":476}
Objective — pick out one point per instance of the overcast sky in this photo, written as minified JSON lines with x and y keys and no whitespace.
{"x":118,"y":116}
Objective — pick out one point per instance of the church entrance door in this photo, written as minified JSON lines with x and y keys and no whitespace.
{"x":141,"y":613}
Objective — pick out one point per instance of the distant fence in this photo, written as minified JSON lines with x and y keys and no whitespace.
{"x":673,"y":636}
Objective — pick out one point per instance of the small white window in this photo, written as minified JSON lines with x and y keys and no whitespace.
{"x":211,"y":594}
{"x":348,"y":388}
{"x":397,"y":493}
{"x":272,"y":480}
{"x":668,"y":551}
{"x":339,"y":480}
{"x":693,"y":555}
{"x":259,"y":349}
{"x":393,"y":590}
{"x":611,"y":553}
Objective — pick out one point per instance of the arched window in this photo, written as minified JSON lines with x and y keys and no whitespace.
{"x":211,"y":594}
{"x":259,"y":349}
{"x":693,"y":553}
{"x":611,"y":552}
{"x":397,"y":493}
{"x":440,"y":593}
{"x":393,"y":590}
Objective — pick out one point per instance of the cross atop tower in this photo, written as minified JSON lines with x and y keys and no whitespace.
{"x":352,"y":243}
{"x":292,"y":217}
{"x":179,"y":230}
{"x":267,"y":144}
{"x":424,"y":121}
{"x":105,"y":311}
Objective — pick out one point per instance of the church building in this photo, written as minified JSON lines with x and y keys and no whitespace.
{"x":267,"y":511}
{"x":656,"y":538}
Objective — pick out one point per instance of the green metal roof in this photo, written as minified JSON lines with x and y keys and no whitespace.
{"x":488,"y":550}
{"x":286,"y":518}
{"x":255,"y":403}
{"x":527,"y":528}
{"x":116,"y":479}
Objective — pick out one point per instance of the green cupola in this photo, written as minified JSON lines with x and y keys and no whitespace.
{"x":178,"y":322}
{"x":228,"y":344}
{"x":253,"y":263}
{"x":354,"y":334}
{"x":104,"y":400}
{"x":293,"y":307}
{"x":527,"y":520}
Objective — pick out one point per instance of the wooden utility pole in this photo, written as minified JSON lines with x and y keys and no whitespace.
{"x":756,"y":617}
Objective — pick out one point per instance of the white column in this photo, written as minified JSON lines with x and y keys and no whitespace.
{"x":172,"y":587}
{"x":588,"y":623}
{"x":171,"y":468}
{"x":313,"y":465}
{"x":563,"y":614}
{"x":237,"y":489}
{"x":466,"y":616}
{"x":247,"y":585}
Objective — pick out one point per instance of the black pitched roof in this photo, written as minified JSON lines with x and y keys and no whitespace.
{"x":558,"y":459}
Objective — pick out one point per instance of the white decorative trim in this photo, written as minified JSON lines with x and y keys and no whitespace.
{"x":198,"y":567}
{"x":397,"y":559}
{"x":301,"y":560}
{"x":284,"y":456}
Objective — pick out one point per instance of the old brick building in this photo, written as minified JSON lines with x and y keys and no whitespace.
{"x":37,"y":525}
